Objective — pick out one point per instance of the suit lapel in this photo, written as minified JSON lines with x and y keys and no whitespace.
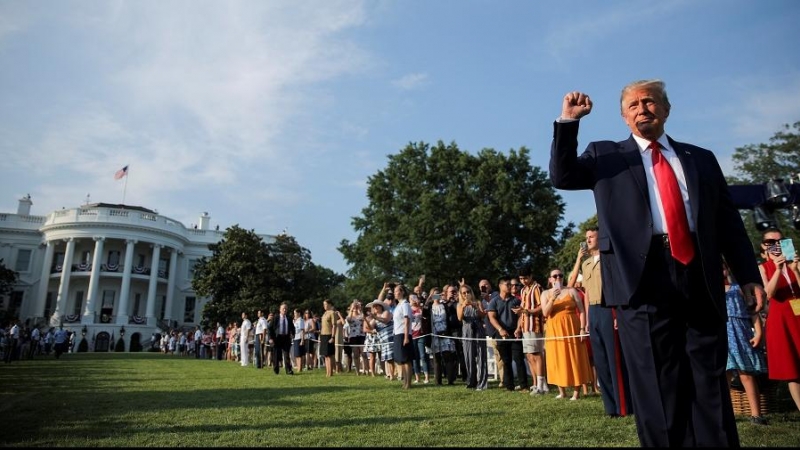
{"x":632,"y":155}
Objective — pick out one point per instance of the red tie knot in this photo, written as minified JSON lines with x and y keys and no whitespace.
{"x":654,"y":146}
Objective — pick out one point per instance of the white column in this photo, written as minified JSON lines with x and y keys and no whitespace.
{"x":63,"y":287}
{"x":94,"y":282}
{"x":150,"y":313}
{"x":44,"y":280}
{"x":173,"y":269}
{"x":125,"y":290}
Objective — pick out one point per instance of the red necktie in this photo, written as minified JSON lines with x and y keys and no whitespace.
{"x":680,"y":240}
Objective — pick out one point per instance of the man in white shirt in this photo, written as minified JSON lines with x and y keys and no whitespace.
{"x":34,"y":349}
{"x":198,"y":341}
{"x":260,"y":341}
{"x":12,"y":340}
{"x":221,"y":344}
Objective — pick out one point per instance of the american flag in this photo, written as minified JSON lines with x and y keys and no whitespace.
{"x":121,"y":173}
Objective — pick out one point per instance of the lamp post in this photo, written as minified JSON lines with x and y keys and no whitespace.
{"x":84,"y":331}
{"x":122,"y":332}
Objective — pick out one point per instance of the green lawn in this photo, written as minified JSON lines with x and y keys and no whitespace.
{"x":154,"y":400}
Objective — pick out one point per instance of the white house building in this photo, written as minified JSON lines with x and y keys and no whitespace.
{"x":104,"y":271}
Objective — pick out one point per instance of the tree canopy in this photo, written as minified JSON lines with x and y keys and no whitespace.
{"x":245,"y":274}
{"x":448,"y":214}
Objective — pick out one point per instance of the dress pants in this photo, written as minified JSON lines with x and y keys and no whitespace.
{"x":444,"y":363}
{"x":475,"y":359}
{"x":676,"y":347}
{"x":257,"y":352}
{"x":511,"y":352}
{"x":612,"y":376}
{"x":282,"y":349}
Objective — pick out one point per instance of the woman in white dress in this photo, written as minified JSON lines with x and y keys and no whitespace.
{"x":244,"y":339}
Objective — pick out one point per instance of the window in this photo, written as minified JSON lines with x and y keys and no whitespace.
{"x":86,"y":257}
{"x":113,"y":258}
{"x":140,"y":258}
{"x":163,"y":305}
{"x":108,"y":299}
{"x":48,"y":304}
{"x":78,"y":303}
{"x":162,"y":265}
{"x":137,"y":300}
{"x":58,"y":257}
{"x":23,"y":263}
{"x":188,"y":310}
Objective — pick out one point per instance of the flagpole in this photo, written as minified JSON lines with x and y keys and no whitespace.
{"x":125,"y":187}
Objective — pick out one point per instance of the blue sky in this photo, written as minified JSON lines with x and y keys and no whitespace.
{"x":272,"y":114}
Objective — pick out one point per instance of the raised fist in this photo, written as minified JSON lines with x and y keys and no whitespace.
{"x":576,"y":105}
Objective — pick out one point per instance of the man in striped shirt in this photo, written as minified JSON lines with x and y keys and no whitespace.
{"x":532,"y":324}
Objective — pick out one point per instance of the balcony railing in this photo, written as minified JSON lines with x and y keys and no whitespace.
{"x":87,"y":267}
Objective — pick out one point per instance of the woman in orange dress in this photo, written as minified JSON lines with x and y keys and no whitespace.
{"x":567,"y":359}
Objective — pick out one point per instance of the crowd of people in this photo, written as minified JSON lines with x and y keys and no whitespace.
{"x":17,"y":343}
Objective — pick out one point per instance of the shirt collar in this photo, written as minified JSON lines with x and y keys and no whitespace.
{"x":643,"y":143}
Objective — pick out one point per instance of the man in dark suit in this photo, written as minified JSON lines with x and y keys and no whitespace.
{"x":662,"y":278}
{"x":281,"y":332}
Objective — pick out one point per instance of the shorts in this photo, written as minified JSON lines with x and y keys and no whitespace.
{"x":532,"y":342}
{"x":403,"y":353}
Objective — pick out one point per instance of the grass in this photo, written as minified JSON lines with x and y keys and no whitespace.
{"x":154,"y":400}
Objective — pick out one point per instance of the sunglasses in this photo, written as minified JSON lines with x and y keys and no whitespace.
{"x":557,"y":276}
{"x":516,"y":285}
{"x":464,"y":292}
{"x":770,"y":241}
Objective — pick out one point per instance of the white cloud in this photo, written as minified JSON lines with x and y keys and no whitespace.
{"x":411,"y":81}
{"x":764,"y":106}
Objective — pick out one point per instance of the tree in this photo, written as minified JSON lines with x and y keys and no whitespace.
{"x":758,"y":163}
{"x":245,"y":274}
{"x":565,"y":258}
{"x":448,"y":214}
{"x":8,"y":278}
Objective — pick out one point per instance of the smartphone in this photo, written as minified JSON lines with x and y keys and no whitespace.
{"x":787,"y":247}
{"x":437,"y":296}
{"x":556,"y":285}
{"x":584,"y":246}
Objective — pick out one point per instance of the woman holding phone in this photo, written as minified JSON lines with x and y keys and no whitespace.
{"x":780,"y":279}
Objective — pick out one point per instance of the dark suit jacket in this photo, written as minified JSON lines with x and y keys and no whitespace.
{"x":614,"y":171}
{"x":273,"y":326}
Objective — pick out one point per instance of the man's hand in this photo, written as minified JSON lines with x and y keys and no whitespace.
{"x":576,"y":105}
{"x":755,"y":290}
